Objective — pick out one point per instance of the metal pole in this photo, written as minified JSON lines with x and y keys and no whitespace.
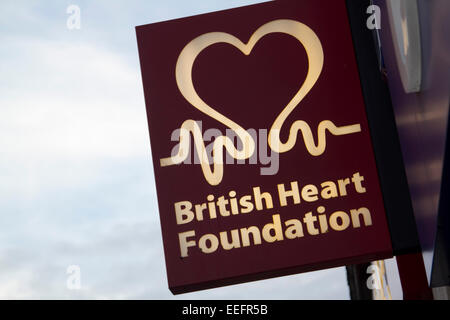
{"x":357,"y":281}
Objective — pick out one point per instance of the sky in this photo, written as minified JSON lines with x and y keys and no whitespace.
{"x":76,"y":176}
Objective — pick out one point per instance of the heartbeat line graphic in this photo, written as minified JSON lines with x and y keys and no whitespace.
{"x":214,"y":176}
{"x":185,"y":62}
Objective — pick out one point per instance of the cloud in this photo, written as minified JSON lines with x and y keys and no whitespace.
{"x":124,"y":261}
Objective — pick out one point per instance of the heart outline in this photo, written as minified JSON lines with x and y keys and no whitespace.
{"x":183,"y":74}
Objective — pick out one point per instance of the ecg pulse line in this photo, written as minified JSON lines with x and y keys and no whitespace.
{"x":185,"y":62}
{"x":214,"y":176}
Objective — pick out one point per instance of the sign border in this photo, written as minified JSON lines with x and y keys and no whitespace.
{"x":386,"y":149}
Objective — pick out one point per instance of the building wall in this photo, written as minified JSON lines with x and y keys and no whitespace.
{"x":422,"y":118}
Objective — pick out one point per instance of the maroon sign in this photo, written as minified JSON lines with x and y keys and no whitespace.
{"x":261,"y":148}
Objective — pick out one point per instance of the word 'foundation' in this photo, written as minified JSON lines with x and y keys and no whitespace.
{"x":276,"y":230}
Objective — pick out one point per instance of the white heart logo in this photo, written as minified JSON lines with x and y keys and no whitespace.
{"x":185,"y":62}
